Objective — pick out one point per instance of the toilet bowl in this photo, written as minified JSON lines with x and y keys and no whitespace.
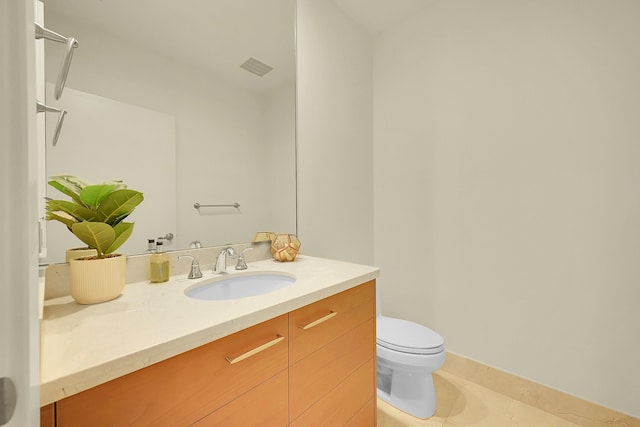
{"x":407,"y":355}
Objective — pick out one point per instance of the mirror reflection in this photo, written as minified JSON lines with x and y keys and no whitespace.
{"x":156,"y":97}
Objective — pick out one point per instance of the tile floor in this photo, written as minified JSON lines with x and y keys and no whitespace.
{"x":462,"y":403}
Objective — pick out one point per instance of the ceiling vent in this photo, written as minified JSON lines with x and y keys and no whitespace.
{"x":256,"y":67}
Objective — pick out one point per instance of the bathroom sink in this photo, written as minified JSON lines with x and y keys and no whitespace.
{"x":240,"y":285}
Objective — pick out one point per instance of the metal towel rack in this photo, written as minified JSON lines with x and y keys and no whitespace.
{"x":71,"y":43}
{"x":198,"y":206}
{"x":43,"y":108}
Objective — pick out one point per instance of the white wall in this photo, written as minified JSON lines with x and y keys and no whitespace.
{"x":334,"y":127}
{"x":507,"y":186}
{"x":220,"y":131}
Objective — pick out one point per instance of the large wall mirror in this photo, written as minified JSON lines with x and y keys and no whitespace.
{"x":156,"y":96}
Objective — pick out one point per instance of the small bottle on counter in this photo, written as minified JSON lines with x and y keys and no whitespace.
{"x":151,"y":245}
{"x":159,"y":265}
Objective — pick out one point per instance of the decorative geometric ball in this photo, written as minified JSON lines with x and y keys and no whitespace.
{"x":285,"y":247}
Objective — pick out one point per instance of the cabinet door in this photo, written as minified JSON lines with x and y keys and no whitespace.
{"x":185,"y":388}
{"x":332,"y":362}
{"x":366,"y":416}
{"x":321,"y":373}
{"x":346,"y":404}
{"x":47,"y":416}
{"x":262,"y":406}
{"x":341,"y":313}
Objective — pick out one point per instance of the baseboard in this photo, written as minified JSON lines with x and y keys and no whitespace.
{"x":562,"y":405}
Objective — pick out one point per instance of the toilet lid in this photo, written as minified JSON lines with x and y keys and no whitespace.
{"x":407,"y":337}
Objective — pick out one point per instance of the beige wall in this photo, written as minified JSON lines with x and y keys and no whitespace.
{"x":507,"y":186}
{"x":335,"y":164}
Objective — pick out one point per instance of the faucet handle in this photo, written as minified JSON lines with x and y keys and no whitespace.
{"x":242,"y":263}
{"x":195,"y":272}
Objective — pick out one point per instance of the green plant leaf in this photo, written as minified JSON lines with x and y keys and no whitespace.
{"x":119,"y":185}
{"x":62,"y":217}
{"x":71,"y":209}
{"x":118,"y":205}
{"x":92,"y":195}
{"x":119,"y":219}
{"x":123,"y":232}
{"x":95,"y":213}
{"x":69,"y":185}
{"x":96,"y":235}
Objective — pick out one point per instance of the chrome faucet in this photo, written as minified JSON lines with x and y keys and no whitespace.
{"x":221,"y":261}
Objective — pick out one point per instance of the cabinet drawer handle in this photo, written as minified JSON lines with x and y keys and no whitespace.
{"x":318,"y":321}
{"x":255,"y":351}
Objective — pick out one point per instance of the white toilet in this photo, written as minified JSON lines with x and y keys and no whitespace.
{"x":407,"y":355}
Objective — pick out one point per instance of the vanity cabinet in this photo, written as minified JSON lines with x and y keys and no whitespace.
{"x":312,"y":366}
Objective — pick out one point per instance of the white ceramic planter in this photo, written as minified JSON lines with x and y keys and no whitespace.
{"x":97,"y":280}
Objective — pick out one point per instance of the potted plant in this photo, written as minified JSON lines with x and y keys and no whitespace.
{"x":95,"y":215}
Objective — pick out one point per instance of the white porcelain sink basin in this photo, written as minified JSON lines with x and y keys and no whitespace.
{"x":240,"y":285}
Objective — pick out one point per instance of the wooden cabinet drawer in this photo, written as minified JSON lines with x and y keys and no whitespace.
{"x":185,"y":388}
{"x":367,"y":416}
{"x":351,"y":307}
{"x":263,"y":406}
{"x":337,"y":407}
{"x":317,"y":375}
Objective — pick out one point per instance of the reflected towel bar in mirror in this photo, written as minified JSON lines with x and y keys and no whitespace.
{"x":198,"y":206}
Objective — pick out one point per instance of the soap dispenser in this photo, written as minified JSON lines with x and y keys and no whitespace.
{"x":159,"y":265}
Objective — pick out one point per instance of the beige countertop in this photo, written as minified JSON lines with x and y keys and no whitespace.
{"x":86,"y":345}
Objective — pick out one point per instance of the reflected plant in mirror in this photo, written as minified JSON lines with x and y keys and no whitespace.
{"x":198,"y":121}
